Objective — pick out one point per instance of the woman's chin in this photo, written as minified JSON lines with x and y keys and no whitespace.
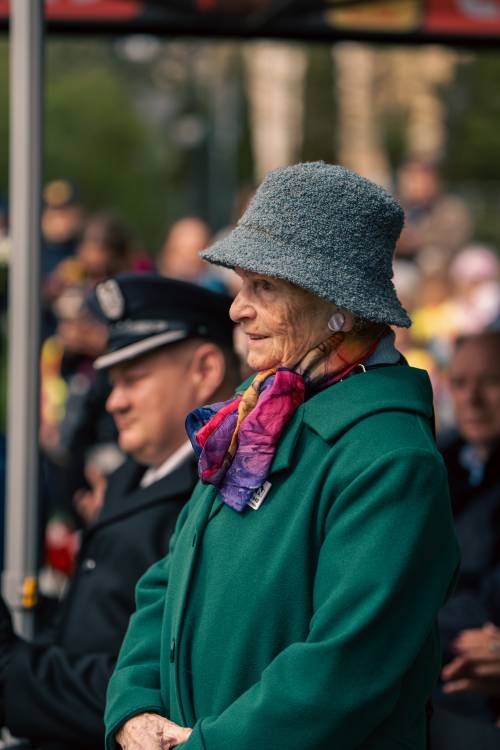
{"x":261,"y":361}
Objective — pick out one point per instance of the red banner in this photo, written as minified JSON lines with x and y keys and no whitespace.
{"x":463,"y":16}
{"x":75,"y":10}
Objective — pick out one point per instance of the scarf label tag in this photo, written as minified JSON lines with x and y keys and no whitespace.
{"x":259,"y":496}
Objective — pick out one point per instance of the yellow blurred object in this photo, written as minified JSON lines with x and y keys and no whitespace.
{"x":54,"y":390}
{"x":420,"y":358}
{"x":385,"y":15}
{"x":71,"y":271}
{"x":29,"y":592}
{"x":435,"y":321}
{"x":58,"y":193}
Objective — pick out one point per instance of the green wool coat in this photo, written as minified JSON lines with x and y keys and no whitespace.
{"x":309,"y":623}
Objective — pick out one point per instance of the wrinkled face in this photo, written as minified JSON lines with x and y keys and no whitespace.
{"x":149,"y":402}
{"x":475,"y":389}
{"x":281,"y":321}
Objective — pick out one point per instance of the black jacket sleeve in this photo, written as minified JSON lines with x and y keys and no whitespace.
{"x":52,"y":695}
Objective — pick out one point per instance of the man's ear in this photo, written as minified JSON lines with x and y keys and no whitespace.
{"x":208,"y":369}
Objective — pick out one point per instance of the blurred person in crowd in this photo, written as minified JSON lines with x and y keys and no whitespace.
{"x":73,"y":419}
{"x":431,"y":216}
{"x":409,"y":283}
{"x":169,"y":350}
{"x":180,"y":255}
{"x":107,"y":248}
{"x":62,"y":223}
{"x":475,"y":275}
{"x":434,"y":316}
{"x":69,"y":352}
{"x":469,"y":621}
{"x":4,"y":234}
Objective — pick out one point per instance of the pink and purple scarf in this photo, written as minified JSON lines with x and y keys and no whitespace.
{"x":236,"y":440}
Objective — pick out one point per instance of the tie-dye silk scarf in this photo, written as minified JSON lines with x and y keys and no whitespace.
{"x":236,"y":440}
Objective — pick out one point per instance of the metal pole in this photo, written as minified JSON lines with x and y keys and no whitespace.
{"x":19,"y":578}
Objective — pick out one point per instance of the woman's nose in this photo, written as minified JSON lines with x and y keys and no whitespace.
{"x":241,"y":309}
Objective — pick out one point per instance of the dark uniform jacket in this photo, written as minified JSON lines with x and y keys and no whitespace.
{"x":55,"y":688}
{"x":476,"y":599}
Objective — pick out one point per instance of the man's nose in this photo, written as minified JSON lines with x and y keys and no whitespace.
{"x":475,"y":395}
{"x":116,"y":400}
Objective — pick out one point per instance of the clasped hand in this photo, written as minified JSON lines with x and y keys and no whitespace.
{"x":476,"y":666}
{"x":151,"y":732}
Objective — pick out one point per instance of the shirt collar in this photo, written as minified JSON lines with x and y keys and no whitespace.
{"x":154,"y":473}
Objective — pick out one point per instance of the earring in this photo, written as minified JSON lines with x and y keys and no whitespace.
{"x":336,"y":322}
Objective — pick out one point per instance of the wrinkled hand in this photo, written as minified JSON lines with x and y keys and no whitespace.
{"x":151,"y":732}
{"x":476,"y":668}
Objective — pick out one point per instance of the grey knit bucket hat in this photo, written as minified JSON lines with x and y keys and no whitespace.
{"x":325,"y":229}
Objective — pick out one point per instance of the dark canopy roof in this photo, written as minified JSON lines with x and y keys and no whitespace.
{"x":474,"y":22}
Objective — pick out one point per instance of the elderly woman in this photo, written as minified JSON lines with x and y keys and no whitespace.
{"x":297,"y":607}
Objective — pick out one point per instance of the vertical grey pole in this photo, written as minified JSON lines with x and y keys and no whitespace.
{"x":19,"y":578}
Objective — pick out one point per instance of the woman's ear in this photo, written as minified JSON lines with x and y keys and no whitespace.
{"x":208,"y":369}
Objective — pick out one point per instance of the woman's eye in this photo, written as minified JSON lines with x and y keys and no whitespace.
{"x":263,"y":285}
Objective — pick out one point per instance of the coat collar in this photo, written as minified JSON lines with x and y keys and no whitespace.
{"x":332,"y":412}
{"x":396,"y":388}
{"x":125,"y":496}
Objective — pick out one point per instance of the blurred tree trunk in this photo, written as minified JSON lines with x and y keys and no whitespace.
{"x":275,"y":75}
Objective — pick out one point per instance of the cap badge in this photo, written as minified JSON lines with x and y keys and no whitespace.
{"x":111,"y":299}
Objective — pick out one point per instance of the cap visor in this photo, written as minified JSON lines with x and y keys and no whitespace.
{"x":131,"y":351}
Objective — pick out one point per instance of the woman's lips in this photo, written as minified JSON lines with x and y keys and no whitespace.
{"x":252,"y":337}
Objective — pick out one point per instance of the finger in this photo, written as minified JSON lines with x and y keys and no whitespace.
{"x":455,"y":668}
{"x":458,"y":686}
{"x":488,"y":670}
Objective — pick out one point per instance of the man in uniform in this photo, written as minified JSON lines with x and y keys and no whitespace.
{"x":169,"y":350}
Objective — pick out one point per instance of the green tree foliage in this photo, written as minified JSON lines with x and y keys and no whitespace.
{"x":473,"y":142}
{"x":96,"y":135}
{"x":473,"y":108}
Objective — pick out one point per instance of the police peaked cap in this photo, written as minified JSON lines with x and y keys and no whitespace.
{"x":144,"y":312}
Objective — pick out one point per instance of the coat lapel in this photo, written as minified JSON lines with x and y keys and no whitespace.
{"x":125,"y":495}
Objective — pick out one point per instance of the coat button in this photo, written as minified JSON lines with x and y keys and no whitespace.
{"x":88,"y":564}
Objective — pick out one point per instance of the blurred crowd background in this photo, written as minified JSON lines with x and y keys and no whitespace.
{"x":153,"y":148}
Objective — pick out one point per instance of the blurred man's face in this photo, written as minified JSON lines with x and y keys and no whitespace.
{"x":150,"y":399}
{"x":180,"y":255}
{"x":417,"y":183}
{"x":475,"y":389}
{"x":61,"y":224}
